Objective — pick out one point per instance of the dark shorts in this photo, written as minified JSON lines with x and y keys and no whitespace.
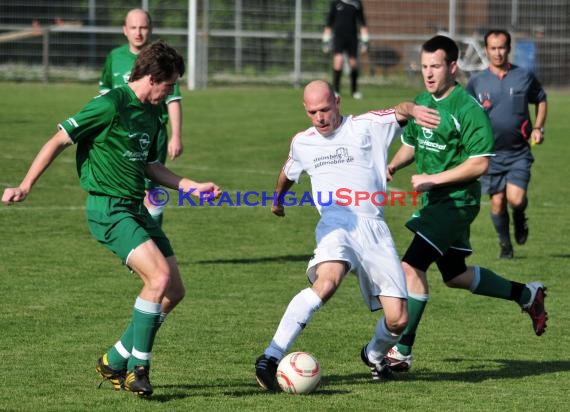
{"x":345,"y":43}
{"x":121,"y":225}
{"x":444,"y":225}
{"x":505,"y":167}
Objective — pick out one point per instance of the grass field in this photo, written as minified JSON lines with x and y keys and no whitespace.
{"x":65,"y":299}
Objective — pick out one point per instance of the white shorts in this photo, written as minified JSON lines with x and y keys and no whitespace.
{"x":368,"y":248}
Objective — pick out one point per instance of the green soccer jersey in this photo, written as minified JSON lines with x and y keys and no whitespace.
{"x":464,"y":132}
{"x":117,"y":70}
{"x":116,"y":139}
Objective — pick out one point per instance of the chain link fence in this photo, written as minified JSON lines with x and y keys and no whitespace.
{"x":263,"y":41}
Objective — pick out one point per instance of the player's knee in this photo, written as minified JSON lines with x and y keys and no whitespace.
{"x":398,"y":324}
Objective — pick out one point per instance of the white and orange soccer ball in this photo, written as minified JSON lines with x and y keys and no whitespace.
{"x":298,"y":373}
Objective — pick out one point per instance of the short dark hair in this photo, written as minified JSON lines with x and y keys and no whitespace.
{"x":498,"y":32}
{"x":442,"y":43}
{"x":160,"y":61}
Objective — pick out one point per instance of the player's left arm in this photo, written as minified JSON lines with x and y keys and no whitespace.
{"x":537,"y":135}
{"x":162,"y":175}
{"x":175,"y":146}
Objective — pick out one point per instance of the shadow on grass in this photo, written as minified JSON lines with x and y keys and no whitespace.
{"x":176,"y":392}
{"x":561,"y":255}
{"x":479,"y":370}
{"x":272,"y":259}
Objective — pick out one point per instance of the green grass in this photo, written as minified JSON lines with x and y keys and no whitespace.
{"x":65,"y":299}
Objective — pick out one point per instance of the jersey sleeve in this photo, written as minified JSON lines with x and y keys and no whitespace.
{"x":477,"y":134}
{"x":106,"y":80}
{"x":360,"y":15}
{"x":93,"y":118}
{"x":331,"y":14}
{"x":176,"y":95}
{"x":410,"y":133}
{"x":293,"y":167}
{"x":384,"y":126}
{"x":536,"y":93}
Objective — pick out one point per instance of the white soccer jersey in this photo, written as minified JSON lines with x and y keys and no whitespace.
{"x":348,"y":164}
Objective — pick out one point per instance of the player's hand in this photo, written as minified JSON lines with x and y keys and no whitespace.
{"x":326,"y":43}
{"x":175,"y":148}
{"x":536,"y":137}
{"x":390,"y":172}
{"x":426,"y":117}
{"x":13,"y":195}
{"x":209,"y":190}
{"x":423,"y":182}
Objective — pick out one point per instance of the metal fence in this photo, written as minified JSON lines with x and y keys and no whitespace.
{"x":240,"y":41}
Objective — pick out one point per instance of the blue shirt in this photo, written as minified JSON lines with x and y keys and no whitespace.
{"x":506,"y":100}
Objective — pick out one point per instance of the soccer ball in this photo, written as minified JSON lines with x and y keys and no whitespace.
{"x":298,"y":372}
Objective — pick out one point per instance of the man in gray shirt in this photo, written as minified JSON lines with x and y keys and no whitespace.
{"x":505,"y":91}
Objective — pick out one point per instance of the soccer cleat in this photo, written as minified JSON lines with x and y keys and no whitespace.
{"x":506,"y":251}
{"x":380,"y":371}
{"x":397,"y":361}
{"x":115,"y":376}
{"x":266,"y":373}
{"x":357,"y":96}
{"x":535,"y":307}
{"x":137,"y":381}
{"x":521,"y":229}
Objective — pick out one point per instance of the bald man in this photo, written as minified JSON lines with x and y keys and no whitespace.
{"x":345,"y":154}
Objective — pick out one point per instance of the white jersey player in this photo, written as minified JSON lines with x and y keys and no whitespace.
{"x":348,"y":154}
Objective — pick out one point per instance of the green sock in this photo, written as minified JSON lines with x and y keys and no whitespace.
{"x":145,"y":324}
{"x":119,"y":354}
{"x":491,"y":284}
{"x":488,"y":283}
{"x":416,"y":306}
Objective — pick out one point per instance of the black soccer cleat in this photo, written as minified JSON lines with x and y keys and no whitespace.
{"x":506,"y":251}
{"x":380,"y":371}
{"x":115,"y":376}
{"x":137,"y":381}
{"x":266,"y":373}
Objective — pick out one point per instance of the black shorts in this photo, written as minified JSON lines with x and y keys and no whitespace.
{"x":345,"y":44}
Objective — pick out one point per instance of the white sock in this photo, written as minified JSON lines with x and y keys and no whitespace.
{"x":381,"y":342}
{"x":296,"y":317}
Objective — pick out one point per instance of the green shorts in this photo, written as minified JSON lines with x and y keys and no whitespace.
{"x":444,"y":225}
{"x":162,"y":151}
{"x":121,"y":225}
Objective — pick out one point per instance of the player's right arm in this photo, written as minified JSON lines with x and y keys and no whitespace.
{"x":403,"y":157}
{"x":281,"y":188}
{"x":106,"y":80}
{"x":46,"y":155}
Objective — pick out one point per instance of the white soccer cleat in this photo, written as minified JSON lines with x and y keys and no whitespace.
{"x":398,"y":362}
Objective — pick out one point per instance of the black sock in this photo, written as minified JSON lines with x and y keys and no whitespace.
{"x":336,"y":80}
{"x":354,"y":80}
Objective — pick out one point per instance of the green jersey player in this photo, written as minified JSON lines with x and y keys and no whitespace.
{"x":116,"y":137}
{"x":449,"y":160}
{"x":137,"y":28}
